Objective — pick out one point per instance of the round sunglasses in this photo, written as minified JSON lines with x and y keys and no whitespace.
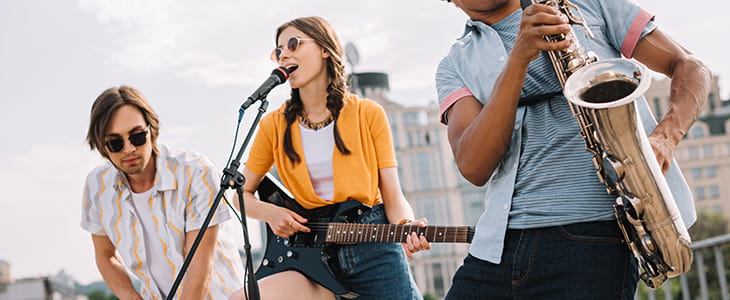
{"x":292,"y":44}
{"x":136,"y":139}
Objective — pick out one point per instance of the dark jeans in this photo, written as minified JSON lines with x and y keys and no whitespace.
{"x":577,"y":261}
{"x":378,"y":271}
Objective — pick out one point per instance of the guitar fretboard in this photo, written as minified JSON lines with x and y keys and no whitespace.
{"x":346,"y":233}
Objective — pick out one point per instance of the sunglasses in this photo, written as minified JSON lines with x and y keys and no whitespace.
{"x":136,"y":139}
{"x":292,"y":45}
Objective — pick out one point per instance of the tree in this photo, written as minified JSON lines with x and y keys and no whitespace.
{"x":100,"y":295}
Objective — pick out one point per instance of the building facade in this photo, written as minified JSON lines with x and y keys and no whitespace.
{"x":57,"y":287}
{"x":429,"y":178}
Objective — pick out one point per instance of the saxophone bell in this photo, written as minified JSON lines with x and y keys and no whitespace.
{"x":607,"y":83}
{"x":645,"y":208}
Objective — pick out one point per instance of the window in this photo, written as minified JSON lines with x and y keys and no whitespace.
{"x":422,"y":172}
{"x":415,"y":118}
{"x":438,"y":279}
{"x":696,"y":132}
{"x":696,"y":173}
{"x":708,"y":151}
{"x":714,"y":191}
{"x":693,"y":152}
{"x":393,"y":129}
{"x":711,"y":171}
{"x":700,"y":193}
{"x":435,"y":137}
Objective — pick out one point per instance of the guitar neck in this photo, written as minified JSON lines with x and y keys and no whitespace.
{"x":349,"y":233}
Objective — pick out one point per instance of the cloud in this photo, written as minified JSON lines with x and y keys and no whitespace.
{"x":41,"y":210}
{"x":226,"y":43}
{"x":193,"y":41}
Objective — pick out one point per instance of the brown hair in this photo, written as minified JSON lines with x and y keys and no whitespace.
{"x":324,"y":35}
{"x":103,"y":109}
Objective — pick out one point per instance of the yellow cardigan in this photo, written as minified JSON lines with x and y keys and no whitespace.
{"x":364,"y":128}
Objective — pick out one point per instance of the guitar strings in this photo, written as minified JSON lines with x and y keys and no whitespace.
{"x":450,"y":232}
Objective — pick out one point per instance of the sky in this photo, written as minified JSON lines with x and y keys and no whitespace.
{"x":196,"y":62}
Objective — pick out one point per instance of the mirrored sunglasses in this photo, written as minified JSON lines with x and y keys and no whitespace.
{"x":136,"y":139}
{"x":292,"y":45}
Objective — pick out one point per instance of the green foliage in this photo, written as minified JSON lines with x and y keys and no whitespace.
{"x":430,"y":297}
{"x":100,"y":295}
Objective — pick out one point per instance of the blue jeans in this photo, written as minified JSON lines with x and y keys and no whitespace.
{"x":577,"y":261}
{"x":377,"y":271}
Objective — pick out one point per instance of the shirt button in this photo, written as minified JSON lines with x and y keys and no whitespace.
{"x":517,"y":126}
{"x":506,"y":206}
{"x":501,"y":58}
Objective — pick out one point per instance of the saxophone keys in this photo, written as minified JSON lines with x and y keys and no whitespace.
{"x":633,"y":206}
{"x":615,"y":170}
{"x":648,"y":244}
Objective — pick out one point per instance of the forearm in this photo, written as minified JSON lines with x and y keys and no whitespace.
{"x":482,"y":144}
{"x":116,"y":278}
{"x":397,"y":207}
{"x":254,"y":207}
{"x":198,"y":277}
{"x":690,"y":85}
{"x":399,"y":210}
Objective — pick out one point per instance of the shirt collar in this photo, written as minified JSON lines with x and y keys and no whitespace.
{"x":472,"y":25}
{"x":164,"y":177}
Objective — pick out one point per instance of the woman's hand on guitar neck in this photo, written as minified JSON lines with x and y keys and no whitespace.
{"x":416,"y":243}
{"x":284,"y":222}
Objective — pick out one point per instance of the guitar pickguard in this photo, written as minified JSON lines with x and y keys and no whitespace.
{"x":306,"y":253}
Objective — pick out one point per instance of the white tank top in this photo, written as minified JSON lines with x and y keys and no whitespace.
{"x":318,"y":148}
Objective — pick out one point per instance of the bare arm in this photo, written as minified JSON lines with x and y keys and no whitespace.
{"x":283,"y":222}
{"x":691,"y":80}
{"x":396,"y":206}
{"x":197,"y":278}
{"x":112,"y":269}
{"x":397,"y":209}
{"x":480,"y":135}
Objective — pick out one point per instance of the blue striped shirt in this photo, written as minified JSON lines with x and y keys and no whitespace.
{"x":546,"y":178}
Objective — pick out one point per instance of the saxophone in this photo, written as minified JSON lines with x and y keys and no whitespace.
{"x":602,"y":95}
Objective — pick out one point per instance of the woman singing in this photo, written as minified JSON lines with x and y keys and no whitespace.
{"x":330,"y":146}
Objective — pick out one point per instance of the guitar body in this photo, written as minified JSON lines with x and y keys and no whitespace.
{"x":307,"y":252}
{"x":314,"y":253}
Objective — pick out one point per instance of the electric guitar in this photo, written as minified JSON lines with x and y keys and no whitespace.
{"x":314,"y":253}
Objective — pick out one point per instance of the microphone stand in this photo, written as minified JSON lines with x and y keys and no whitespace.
{"x":232,"y":178}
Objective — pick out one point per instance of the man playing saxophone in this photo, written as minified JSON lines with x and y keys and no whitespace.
{"x":548,"y":229}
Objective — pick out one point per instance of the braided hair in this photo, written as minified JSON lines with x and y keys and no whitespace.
{"x":324,"y":35}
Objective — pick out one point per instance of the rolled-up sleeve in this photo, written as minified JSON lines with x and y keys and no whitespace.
{"x":450,"y":87}
{"x":624,"y":33}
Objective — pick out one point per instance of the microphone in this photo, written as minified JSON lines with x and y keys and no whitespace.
{"x":278,"y":76}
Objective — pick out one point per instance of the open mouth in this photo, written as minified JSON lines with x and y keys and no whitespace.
{"x":292,"y":68}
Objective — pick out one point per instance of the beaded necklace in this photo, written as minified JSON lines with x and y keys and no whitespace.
{"x":315,"y":125}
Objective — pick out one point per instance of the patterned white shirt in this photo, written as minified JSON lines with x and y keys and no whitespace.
{"x":185,"y":186}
